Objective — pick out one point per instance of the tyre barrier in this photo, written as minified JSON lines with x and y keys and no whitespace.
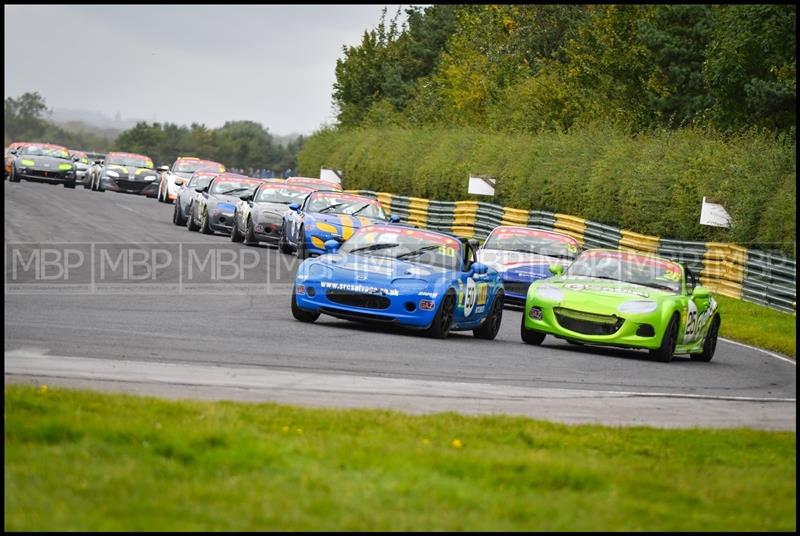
{"x":730,"y":270}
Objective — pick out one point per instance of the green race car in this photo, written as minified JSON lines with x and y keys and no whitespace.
{"x":624,"y":299}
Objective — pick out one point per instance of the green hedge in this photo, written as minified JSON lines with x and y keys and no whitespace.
{"x":649,"y":183}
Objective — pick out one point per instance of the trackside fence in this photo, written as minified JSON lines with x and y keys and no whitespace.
{"x":734,"y":271}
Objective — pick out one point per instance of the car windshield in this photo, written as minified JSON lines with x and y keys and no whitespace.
{"x":533,"y":241}
{"x":404,"y":243}
{"x":200,"y":181}
{"x":330,"y":203}
{"x":43,"y":150}
{"x":281,"y":194}
{"x":233,"y":187}
{"x":190,"y":166}
{"x":642,"y":270}
{"x":129,"y":160}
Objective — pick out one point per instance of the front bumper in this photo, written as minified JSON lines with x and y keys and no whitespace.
{"x":268,"y":232}
{"x":141,"y":187}
{"x":45,"y":175}
{"x":626,"y":335}
{"x":221,"y":222}
{"x":348,"y":302}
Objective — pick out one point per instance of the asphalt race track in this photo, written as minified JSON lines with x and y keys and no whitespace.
{"x":103,"y":290}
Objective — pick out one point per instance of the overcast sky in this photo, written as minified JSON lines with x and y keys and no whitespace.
{"x":182,"y":64}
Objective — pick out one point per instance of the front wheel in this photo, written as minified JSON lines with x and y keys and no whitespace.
{"x":69,"y":184}
{"x":491,"y":325}
{"x":236,"y":235}
{"x":283,"y":245}
{"x":301,"y":314}
{"x":177,"y":217}
{"x":190,"y":223}
{"x":710,"y":344}
{"x":205,"y":227}
{"x":530,"y":336}
{"x":443,"y":320}
{"x":665,"y":352}
{"x":250,"y":233}
{"x":302,"y":252}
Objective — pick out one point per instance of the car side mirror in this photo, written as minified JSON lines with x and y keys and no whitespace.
{"x":98,"y":162}
{"x":556,"y":269}
{"x":700,"y":292}
{"x":76,"y":158}
{"x":394,"y":218}
{"x":14,"y":152}
{"x":295,"y":207}
{"x":331,"y":246}
{"x":201,"y":189}
{"x":245,"y":197}
{"x":163,"y":168}
{"x":478,"y":268}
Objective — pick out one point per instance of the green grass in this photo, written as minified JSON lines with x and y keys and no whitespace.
{"x":757,"y":325}
{"x":76,"y":460}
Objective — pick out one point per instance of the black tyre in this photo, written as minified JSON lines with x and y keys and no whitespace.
{"x":302,"y":252}
{"x":443,"y":320}
{"x":300,"y":314}
{"x":236,"y":235}
{"x":491,"y":325}
{"x":177,"y":218}
{"x":710,"y":344}
{"x":250,"y":233}
{"x":69,"y":184}
{"x":667,"y":349}
{"x":283,"y":245}
{"x":190,"y":223}
{"x":530,"y":336}
{"x":205,"y":228}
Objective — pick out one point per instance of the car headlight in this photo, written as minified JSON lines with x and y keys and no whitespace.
{"x":112,"y":173}
{"x":151,"y":178}
{"x":65,"y":167}
{"x":27,"y":162}
{"x":549,"y":293}
{"x":637,"y":306}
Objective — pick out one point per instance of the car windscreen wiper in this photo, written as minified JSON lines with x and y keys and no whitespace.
{"x":366,"y":205}
{"x":416,"y":252}
{"x":326,"y":209}
{"x":374,"y":247}
{"x":227,"y":192}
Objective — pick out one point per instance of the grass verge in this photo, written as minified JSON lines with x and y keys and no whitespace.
{"x":78,"y":460}
{"x":757,"y":325}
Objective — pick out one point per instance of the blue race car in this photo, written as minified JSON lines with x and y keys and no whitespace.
{"x":213,"y":206}
{"x":404,"y":276}
{"x":326,"y":215}
{"x":523,"y":255}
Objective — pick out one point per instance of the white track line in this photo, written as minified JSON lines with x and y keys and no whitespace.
{"x":792,"y":361}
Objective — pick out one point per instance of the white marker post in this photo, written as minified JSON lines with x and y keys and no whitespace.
{"x":481,"y":185}
{"x":714,"y":214}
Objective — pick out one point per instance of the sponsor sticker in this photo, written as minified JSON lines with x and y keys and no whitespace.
{"x":301,"y":289}
{"x":426,"y":305}
{"x":535,"y":313}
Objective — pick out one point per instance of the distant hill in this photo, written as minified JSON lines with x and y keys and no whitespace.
{"x":62,"y":116}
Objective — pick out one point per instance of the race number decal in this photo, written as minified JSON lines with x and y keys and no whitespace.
{"x":469,"y":297}
{"x":690,"y":333}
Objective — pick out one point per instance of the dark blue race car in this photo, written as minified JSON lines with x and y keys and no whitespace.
{"x":212,"y":206}
{"x":405,"y":276}
{"x":523,"y":255}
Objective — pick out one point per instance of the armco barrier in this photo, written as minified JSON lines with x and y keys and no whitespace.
{"x":727,"y":269}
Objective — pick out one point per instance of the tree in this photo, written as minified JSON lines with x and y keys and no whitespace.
{"x":751,"y":70}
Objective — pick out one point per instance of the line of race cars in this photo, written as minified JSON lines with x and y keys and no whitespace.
{"x":358,"y":264}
